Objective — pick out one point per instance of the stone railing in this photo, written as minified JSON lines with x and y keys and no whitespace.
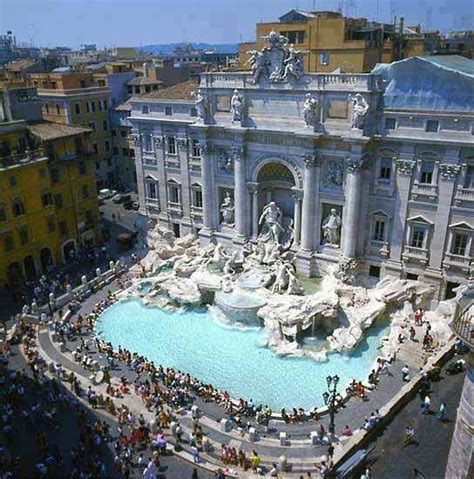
{"x":464,"y":194}
{"x":411,"y":252}
{"x":457,"y":261}
{"x":21,"y":158}
{"x":422,"y":189}
{"x":311,"y":81}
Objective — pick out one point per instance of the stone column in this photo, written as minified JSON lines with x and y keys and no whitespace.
{"x":352,"y":206}
{"x":309,"y":203}
{"x":297,"y":196}
{"x":240,"y":193}
{"x":446,"y":183}
{"x":253,"y":190}
{"x":207,"y":190}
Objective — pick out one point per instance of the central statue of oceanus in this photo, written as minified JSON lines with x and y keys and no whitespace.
{"x":274,"y":227}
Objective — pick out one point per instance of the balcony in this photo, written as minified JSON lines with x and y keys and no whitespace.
{"x":378,"y":248}
{"x":455,"y":261}
{"x":20,"y":158}
{"x":463,"y":194}
{"x":424,"y":189}
{"x":172,"y":163}
{"x":175,"y":209}
{"x":412,"y":253}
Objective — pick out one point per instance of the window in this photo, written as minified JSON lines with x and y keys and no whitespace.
{"x":379,"y":231}
{"x":100,"y":105}
{"x":82,"y":168}
{"x":92,"y":106}
{"x":115,"y":150}
{"x":385,"y":168}
{"x":131,"y":152}
{"x":107,"y":145}
{"x":432,"y":126}
{"x":171,"y":141}
{"x":196,"y":149}
{"x":114,"y":133}
{"x":47,"y":199}
{"x":426,"y":172}
{"x":324,"y":58}
{"x":152,"y":190}
{"x":125,"y":151}
{"x":469,"y":177}
{"x":105,"y":125}
{"x":51,"y":224}
{"x":58,"y":200}
{"x":168,"y":111}
{"x":8,"y":243}
{"x":18,"y":207}
{"x":85,"y":192}
{"x":459,"y":244}
{"x":92,"y":125}
{"x":105,"y":104}
{"x":197,"y":197}
{"x":173,"y":191}
{"x":418,"y":234}
{"x":390,"y":123}
{"x":123,"y":133}
{"x":12,"y":181}
{"x":3,"y":213}
{"x":54,"y":175}
{"x":62,"y":228}
{"x":96,"y":147}
{"x":58,"y":109}
{"x":23,"y":233}
{"x":193,"y":111}
{"x":374,"y":271}
{"x":46,"y":107}
{"x":77,"y":108}
{"x":145,"y":109}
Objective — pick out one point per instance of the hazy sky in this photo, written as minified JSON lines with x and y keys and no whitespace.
{"x":141,"y":22}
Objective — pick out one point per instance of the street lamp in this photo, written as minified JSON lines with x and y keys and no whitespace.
{"x":331,"y":398}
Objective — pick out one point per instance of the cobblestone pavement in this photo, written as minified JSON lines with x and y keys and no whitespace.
{"x":429,"y":453}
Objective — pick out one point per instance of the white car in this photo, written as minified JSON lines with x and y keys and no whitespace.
{"x":105,"y":194}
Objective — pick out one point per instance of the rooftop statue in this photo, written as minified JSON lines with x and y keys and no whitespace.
{"x":202,"y":105}
{"x":360,"y":107}
{"x":278,"y":61}
{"x":237,"y":106}
{"x":311,"y":111}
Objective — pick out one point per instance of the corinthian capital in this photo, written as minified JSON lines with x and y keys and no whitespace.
{"x":237,"y":152}
{"x":354,"y":164}
{"x":205,"y":147}
{"x":310,"y":160}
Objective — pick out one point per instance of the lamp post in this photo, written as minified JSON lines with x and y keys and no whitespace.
{"x":331,"y":398}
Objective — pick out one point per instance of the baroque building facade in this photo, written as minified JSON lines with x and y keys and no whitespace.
{"x":372,"y":170}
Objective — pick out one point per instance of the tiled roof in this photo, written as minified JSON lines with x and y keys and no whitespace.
{"x":181,"y":91}
{"x":19,"y":65}
{"x":126,"y":106}
{"x":144,"y":81}
{"x":47,"y":130}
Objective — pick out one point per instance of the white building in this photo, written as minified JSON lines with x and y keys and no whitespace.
{"x":392,"y":152}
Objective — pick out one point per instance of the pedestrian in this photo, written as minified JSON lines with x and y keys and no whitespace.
{"x":412,"y":333}
{"x":194,"y":475}
{"x":409,"y":434}
{"x":426,"y":405}
{"x":441,"y":412}
{"x":196,"y":456}
{"x":405,"y":373}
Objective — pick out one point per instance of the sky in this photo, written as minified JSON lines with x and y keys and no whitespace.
{"x":141,"y":22}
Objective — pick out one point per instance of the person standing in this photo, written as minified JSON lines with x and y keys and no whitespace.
{"x":409,"y":434}
{"x":441,"y":412}
{"x":426,"y":406}
{"x":405,"y":373}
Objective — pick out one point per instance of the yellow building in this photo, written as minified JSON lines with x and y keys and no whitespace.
{"x":49,"y":209}
{"x":77,"y":98}
{"x":353,"y":45}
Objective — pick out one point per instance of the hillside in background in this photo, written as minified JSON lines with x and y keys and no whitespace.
{"x":166,"y":48}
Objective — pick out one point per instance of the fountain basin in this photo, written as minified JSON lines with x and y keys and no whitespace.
{"x":239,"y":306}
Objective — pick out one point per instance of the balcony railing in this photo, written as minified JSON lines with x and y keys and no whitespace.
{"x":26,"y":156}
{"x":457,"y":261}
{"x":419,"y":254}
{"x":312,"y":81}
{"x":424,"y":189}
{"x":464,"y":194}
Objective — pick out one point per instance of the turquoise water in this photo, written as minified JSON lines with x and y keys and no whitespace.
{"x":228,"y":358}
